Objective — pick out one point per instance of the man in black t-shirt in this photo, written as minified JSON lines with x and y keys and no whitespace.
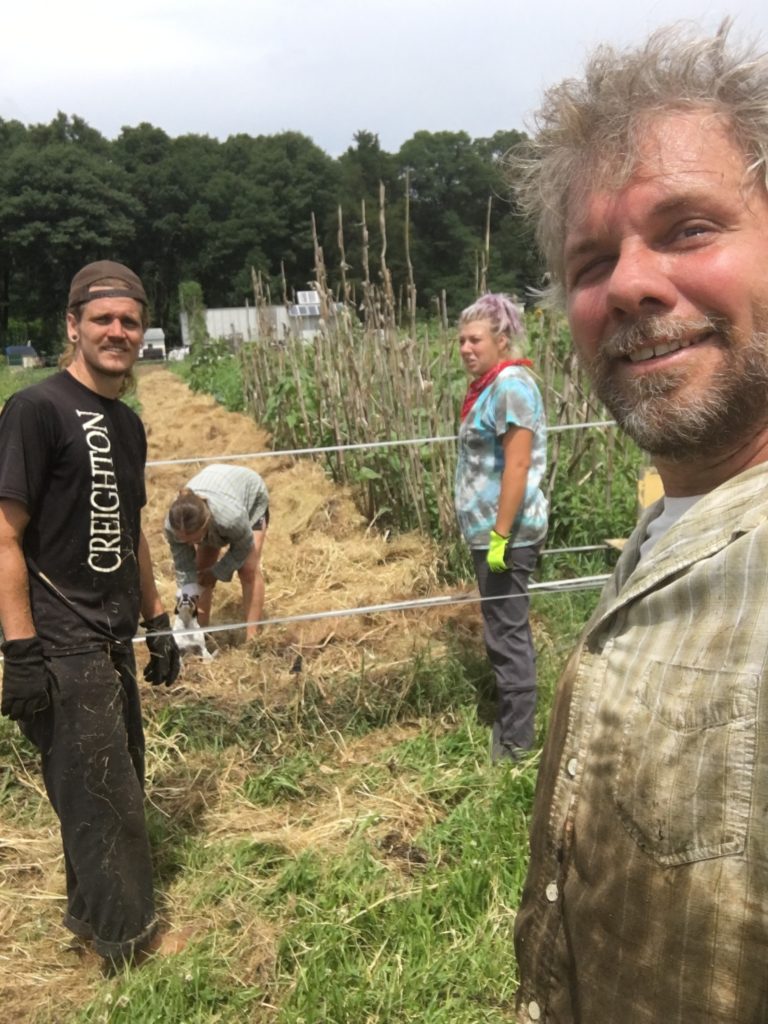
{"x":75,"y":575}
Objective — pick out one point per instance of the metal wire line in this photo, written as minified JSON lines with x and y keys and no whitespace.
{"x":359,"y":446}
{"x":552,"y":586}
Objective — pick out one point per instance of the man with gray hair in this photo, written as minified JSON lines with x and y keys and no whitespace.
{"x":645,"y":899}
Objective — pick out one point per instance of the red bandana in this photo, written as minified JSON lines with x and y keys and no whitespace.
{"x":477,"y":387}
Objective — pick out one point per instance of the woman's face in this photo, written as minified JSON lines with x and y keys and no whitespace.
{"x":480,"y":349}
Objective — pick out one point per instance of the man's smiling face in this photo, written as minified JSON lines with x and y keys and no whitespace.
{"x":108,"y":338}
{"x":667,"y":289}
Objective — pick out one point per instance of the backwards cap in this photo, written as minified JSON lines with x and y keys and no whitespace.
{"x":130,"y":284}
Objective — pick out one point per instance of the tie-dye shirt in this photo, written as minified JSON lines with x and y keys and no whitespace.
{"x":511,"y":400}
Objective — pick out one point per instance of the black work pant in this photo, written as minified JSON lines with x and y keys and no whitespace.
{"x":91,"y":742}
{"x":509,"y":643}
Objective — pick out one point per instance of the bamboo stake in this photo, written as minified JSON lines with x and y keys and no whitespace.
{"x":409,"y":265}
{"x":486,"y":248}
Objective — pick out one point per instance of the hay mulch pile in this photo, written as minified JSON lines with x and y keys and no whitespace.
{"x":318,"y":556}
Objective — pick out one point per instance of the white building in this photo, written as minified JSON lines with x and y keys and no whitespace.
{"x":240,"y":324}
{"x":153,"y":345}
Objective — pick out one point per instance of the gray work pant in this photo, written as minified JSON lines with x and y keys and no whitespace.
{"x":509,"y":643}
{"x":91,"y":743}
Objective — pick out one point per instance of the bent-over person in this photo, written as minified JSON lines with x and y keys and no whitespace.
{"x":222,"y":507}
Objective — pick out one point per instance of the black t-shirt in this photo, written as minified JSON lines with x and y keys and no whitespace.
{"x":76,"y":461}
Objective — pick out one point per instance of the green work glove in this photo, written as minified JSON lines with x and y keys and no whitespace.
{"x":496,"y":557}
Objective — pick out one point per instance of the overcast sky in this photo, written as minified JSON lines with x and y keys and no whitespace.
{"x":326,"y":68}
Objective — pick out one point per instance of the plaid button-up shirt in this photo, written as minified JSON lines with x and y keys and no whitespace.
{"x":647,"y":894}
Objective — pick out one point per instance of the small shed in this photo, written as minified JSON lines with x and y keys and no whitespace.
{"x":153,"y":346}
{"x":21,"y":355}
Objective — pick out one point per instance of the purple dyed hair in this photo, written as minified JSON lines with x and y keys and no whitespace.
{"x":499,"y":310}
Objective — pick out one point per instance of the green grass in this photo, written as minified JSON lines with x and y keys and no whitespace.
{"x":193,"y":989}
{"x":13,"y":378}
{"x":371,"y":944}
{"x":402,"y":910}
{"x":291,"y":778}
{"x":215,"y":371}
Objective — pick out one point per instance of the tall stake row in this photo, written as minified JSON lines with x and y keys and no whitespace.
{"x":373,"y":373}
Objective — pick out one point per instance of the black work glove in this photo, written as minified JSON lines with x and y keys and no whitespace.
{"x":164,"y":660}
{"x":25,"y":679}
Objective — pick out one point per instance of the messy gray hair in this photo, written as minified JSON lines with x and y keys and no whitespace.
{"x":589,"y":129}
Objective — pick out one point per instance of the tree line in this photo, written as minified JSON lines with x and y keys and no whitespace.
{"x":193,"y":208}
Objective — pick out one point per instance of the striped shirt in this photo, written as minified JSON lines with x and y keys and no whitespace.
{"x":647,"y":893}
{"x":237,"y":498}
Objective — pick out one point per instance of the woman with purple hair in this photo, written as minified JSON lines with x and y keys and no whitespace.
{"x":501,"y":508}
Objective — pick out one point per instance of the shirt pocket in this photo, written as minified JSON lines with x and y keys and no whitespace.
{"x":683,"y":780}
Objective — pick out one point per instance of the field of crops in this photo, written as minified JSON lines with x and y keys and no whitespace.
{"x":324,"y":818}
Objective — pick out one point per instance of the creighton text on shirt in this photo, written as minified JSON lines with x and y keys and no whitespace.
{"x":104,"y":533}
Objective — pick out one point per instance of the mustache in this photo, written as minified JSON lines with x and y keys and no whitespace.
{"x":651,"y":330}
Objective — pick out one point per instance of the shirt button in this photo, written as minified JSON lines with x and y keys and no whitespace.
{"x":551,"y":892}
{"x":571,"y":767}
{"x":534,"y":1010}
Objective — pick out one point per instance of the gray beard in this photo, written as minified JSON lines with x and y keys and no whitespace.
{"x":649,"y":411}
